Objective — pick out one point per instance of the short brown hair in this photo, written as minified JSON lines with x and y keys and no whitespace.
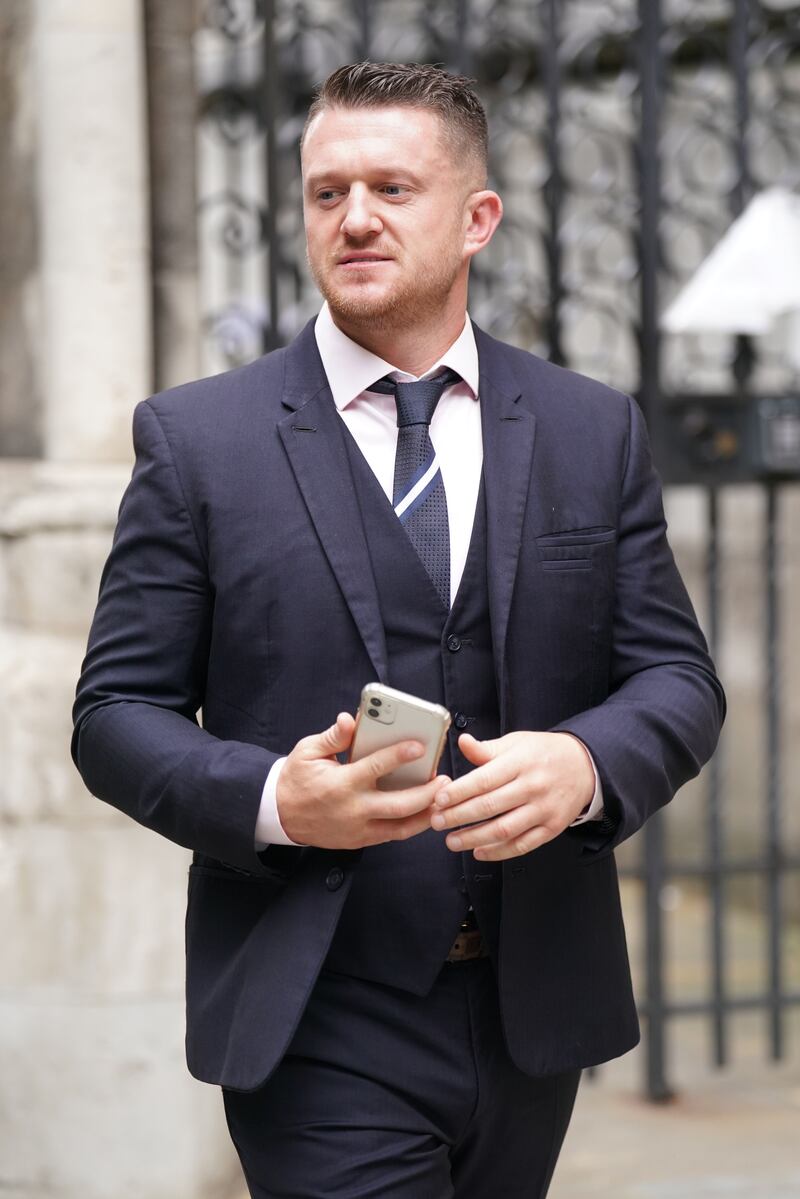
{"x":418,"y":85}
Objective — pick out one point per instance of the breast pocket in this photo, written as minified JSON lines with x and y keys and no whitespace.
{"x":577,"y":573}
{"x":575,"y":549}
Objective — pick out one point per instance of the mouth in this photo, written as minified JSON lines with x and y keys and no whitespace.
{"x":362,"y":260}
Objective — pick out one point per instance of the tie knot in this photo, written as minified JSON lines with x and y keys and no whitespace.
{"x":416,"y":402}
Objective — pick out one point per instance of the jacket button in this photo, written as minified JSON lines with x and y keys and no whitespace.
{"x":335,"y":878}
{"x":460,"y":720}
{"x":453,"y":643}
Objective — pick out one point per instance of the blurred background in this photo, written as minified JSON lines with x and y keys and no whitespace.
{"x":151,"y":231}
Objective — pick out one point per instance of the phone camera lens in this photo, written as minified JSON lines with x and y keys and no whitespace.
{"x":376,"y":702}
{"x":373,"y":712}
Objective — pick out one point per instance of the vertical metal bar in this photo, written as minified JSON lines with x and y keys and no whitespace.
{"x":648,"y":161}
{"x":271,"y":335}
{"x":462,"y":56}
{"x":744,"y":365}
{"x":715,"y":845}
{"x":658,"y":1090}
{"x":554,"y":188}
{"x":774,"y":876}
{"x":744,"y":360}
{"x":234,"y":274}
{"x":651,"y":76}
{"x":739,"y":40}
{"x":363,"y":14}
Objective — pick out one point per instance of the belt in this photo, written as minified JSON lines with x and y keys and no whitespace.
{"x":469,"y":945}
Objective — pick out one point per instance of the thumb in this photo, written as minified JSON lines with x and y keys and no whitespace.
{"x":475,"y":751}
{"x":335,"y":739}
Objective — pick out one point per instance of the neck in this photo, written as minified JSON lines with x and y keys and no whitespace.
{"x":414,"y":348}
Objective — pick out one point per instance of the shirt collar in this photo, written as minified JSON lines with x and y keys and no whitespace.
{"x":351,"y":369}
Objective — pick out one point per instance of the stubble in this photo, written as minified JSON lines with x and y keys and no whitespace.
{"x":416,"y":299}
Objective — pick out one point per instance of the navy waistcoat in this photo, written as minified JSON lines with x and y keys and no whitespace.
{"x":408,"y":898}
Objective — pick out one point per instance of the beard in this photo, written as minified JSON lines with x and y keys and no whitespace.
{"x":413,"y":299}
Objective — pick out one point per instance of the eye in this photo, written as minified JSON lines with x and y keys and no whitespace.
{"x":393,"y":189}
{"x":327,"y":195}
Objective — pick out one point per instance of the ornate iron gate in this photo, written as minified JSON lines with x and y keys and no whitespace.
{"x":625,"y":137}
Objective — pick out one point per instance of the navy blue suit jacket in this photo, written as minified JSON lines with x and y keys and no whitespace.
{"x":239,"y":582}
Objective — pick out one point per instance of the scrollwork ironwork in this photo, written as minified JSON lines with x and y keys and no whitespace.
{"x":240,"y":224}
{"x":626,"y":136}
{"x":237,"y":20}
{"x":562,"y":85}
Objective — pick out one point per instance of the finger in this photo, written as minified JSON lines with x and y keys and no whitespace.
{"x":485,"y":806}
{"x":475,"y":751}
{"x":494,"y":774}
{"x":395,"y":805}
{"x":331,"y":741}
{"x":512,"y":824}
{"x":398,"y":830}
{"x":366,"y":771}
{"x":517,"y":848}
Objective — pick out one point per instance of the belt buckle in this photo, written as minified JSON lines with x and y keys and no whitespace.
{"x":467,"y":946}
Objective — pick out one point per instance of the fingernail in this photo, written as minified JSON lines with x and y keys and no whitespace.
{"x":441,"y":800}
{"x":413,"y":751}
{"x":454,"y":842}
{"x":438,"y":820}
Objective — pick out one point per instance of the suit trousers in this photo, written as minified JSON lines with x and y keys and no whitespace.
{"x":385,"y":1093}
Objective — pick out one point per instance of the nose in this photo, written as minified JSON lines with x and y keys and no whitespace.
{"x":360,"y":217}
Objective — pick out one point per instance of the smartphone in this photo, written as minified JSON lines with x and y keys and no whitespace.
{"x":386,"y":716}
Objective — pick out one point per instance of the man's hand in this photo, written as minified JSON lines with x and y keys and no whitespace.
{"x":527,"y":788}
{"x":323,"y":803}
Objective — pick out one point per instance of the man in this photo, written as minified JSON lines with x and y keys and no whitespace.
{"x":397,"y":990}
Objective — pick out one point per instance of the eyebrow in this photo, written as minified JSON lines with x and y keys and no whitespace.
{"x":385,"y":173}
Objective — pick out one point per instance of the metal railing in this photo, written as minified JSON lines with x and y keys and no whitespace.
{"x":626,"y":135}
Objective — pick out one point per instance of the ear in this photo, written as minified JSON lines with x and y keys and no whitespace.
{"x":482,"y":215}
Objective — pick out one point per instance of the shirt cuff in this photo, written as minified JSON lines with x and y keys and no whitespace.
{"x":595,"y":810}
{"x":269,"y":830}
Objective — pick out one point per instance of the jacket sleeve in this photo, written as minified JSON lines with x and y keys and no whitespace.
{"x":137,"y":742}
{"x":661,"y":720}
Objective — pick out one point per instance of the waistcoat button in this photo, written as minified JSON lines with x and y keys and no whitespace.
{"x":460,"y":720}
{"x":335,"y":878}
{"x":453,"y":643}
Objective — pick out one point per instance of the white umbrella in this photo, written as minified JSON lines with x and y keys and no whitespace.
{"x":751,"y":278}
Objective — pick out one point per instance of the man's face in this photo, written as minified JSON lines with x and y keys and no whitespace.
{"x":385,"y":214}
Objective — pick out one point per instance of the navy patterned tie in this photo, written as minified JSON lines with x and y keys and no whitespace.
{"x":419,"y":499}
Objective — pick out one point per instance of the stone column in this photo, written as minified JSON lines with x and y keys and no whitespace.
{"x":172,"y":115}
{"x":20,"y":320}
{"x":95,"y":1100}
{"x":93,"y":200}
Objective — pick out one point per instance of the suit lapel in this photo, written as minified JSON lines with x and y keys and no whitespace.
{"x":312,"y":436}
{"x":508,"y":438}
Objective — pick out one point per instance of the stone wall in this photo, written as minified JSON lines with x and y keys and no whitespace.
{"x":95,"y":1099}
{"x":20,"y":409}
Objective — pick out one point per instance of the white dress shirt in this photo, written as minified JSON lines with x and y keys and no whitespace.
{"x":372,"y":420}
